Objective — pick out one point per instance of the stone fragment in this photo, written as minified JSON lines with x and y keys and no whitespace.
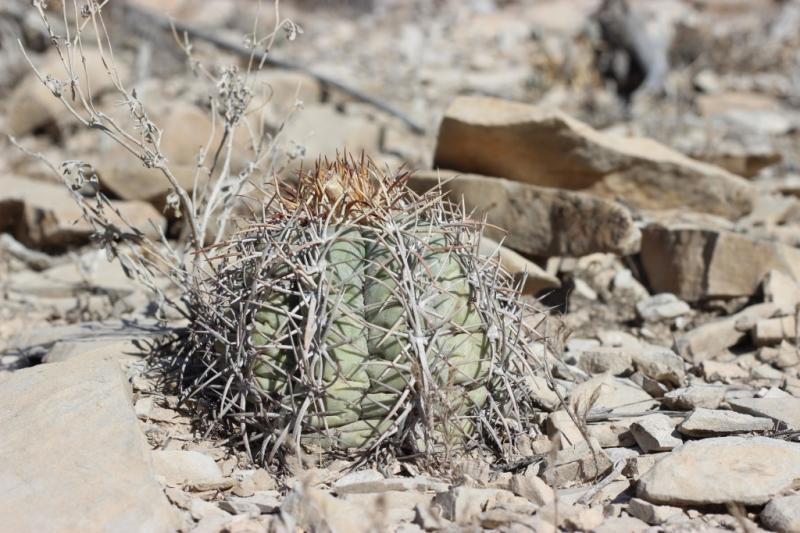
{"x":463,"y":505}
{"x":540,"y":221}
{"x":74,"y":457}
{"x":536,"y":279}
{"x":542,"y":391}
{"x":779,"y":288}
{"x":45,"y":215}
{"x":319,"y":130}
{"x":32,"y":105}
{"x":715,"y":422}
{"x":725,"y":372}
{"x":696,"y":263}
{"x":770,"y":331}
{"x":654,"y":515}
{"x":609,"y":394}
{"x":546,"y":147}
{"x":395,"y":506}
{"x":533,"y":488}
{"x":749,"y":471}
{"x":655,"y":433}
{"x":664,"y":306}
{"x":782,"y":514}
{"x":256,"y":504}
{"x":560,"y":424}
{"x":312,"y":509}
{"x":575,"y":464}
{"x":121,"y":348}
{"x":621,"y":524}
{"x":610,"y":337}
{"x":395,"y":484}
{"x":785,"y":410}
{"x":660,"y":364}
{"x":40,"y":342}
{"x":714,"y":337}
{"x":599,"y":360}
{"x":185,"y":467}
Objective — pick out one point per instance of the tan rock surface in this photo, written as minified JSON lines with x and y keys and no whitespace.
{"x":549,"y":148}
{"x":540,"y":221}
{"x":89,"y":467}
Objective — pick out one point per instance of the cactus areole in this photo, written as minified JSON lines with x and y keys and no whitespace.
{"x":357,"y":316}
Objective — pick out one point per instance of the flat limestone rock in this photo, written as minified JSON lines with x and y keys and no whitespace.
{"x":540,"y":221}
{"x":750,"y":471}
{"x":44,"y":214}
{"x":716,"y":422}
{"x":696,"y":262}
{"x":785,"y":410}
{"x":74,"y":457}
{"x":546,"y":147}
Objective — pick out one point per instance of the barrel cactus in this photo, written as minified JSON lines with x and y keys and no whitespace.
{"x":356,"y":316}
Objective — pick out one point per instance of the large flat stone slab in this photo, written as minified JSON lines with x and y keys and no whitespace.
{"x":750,"y":471}
{"x":543,"y":146}
{"x":74,"y":457}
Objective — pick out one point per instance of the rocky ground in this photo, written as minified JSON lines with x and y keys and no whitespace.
{"x":651,"y":198}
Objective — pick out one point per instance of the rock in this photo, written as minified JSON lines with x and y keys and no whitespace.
{"x":714,"y":337}
{"x":785,"y":410}
{"x":183,"y":467}
{"x":548,"y":148}
{"x":770,"y":331}
{"x":463,"y":505}
{"x":539,"y":221}
{"x":533,"y":488}
{"x":603,"y":359}
{"x":187,"y":131}
{"x":280,"y":92}
{"x":113,"y":348}
{"x":396,"y":484}
{"x":321,"y":131}
{"x":91,"y":272}
{"x":32,"y":106}
{"x":660,"y":364}
{"x":723,"y":372}
{"x":697,"y":263}
{"x":749,"y":471}
{"x":784,"y":356}
{"x":655,"y":433}
{"x":258,"y":503}
{"x":92,"y":470}
{"x":312,"y":509}
{"x":607,"y":393}
{"x":714,"y":422}
{"x":664,"y":306}
{"x":576,"y":463}
{"x":395,"y":506}
{"x":560,"y":424}
{"x":782,"y":514}
{"x":654,"y":515}
{"x":543,"y":392}
{"x":45,"y":215}
{"x":39,"y":342}
{"x":621,"y":524}
{"x":536,"y":279}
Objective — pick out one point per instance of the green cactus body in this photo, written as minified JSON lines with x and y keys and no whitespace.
{"x":367,"y":330}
